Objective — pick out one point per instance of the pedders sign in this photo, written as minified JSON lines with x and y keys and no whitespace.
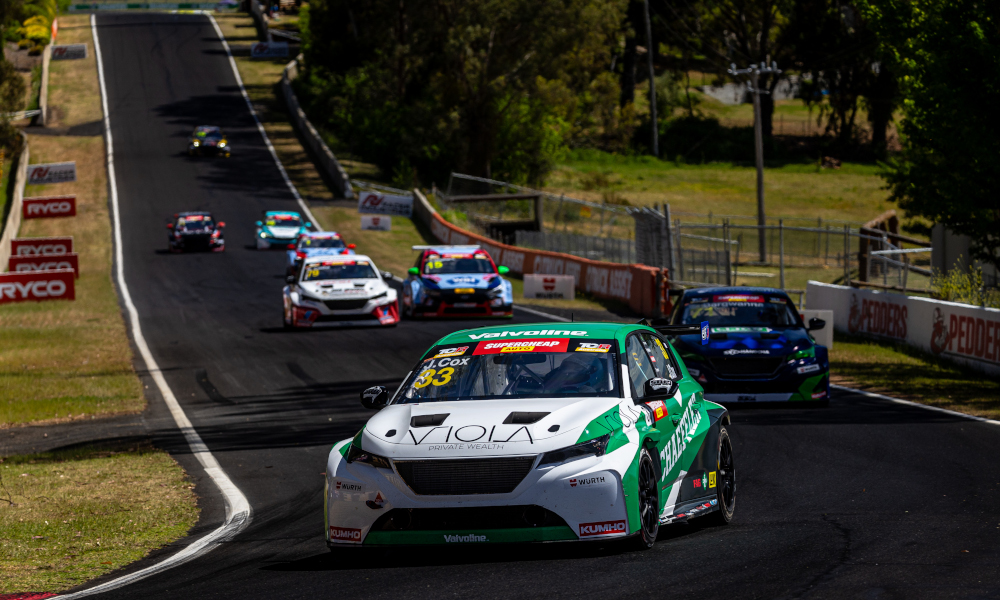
{"x":45,"y":262}
{"x":52,"y":246}
{"x":879,"y":317}
{"x":38,"y":285}
{"x":54,"y":206}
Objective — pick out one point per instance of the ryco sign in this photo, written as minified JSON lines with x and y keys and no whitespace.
{"x":38,"y":285}
{"x":50,"y":262}
{"x":41,"y":246}
{"x":55,"y":206}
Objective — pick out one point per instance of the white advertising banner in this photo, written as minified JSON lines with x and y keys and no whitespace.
{"x":386,"y":204}
{"x":269,"y":49}
{"x":549,"y":286}
{"x":52,"y":173}
{"x":966,"y":334}
{"x":376,"y":223}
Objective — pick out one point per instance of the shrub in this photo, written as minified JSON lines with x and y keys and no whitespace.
{"x":965,"y":286}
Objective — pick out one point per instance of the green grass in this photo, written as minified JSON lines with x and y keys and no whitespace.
{"x":70,"y":516}
{"x":906,"y":372}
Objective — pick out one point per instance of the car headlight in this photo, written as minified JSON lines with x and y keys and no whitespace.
{"x":196,"y":143}
{"x":594,"y":447}
{"x":377,"y":296}
{"x":356,"y":454}
{"x":495,"y":292}
{"x":308,"y":298}
{"x":264,"y":234}
{"x":222,"y":144}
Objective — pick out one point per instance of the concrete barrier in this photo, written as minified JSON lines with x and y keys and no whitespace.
{"x":14,"y":214}
{"x":642,"y":287}
{"x":43,"y":93}
{"x":325,"y":158}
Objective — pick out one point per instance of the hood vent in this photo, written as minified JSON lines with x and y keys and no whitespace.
{"x":524,"y":418}
{"x":428,"y":420}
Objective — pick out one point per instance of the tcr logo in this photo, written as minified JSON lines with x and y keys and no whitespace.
{"x":33,"y":289}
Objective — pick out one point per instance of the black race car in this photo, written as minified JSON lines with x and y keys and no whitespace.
{"x":759,"y":351}
{"x":208,"y":139}
{"x":195,"y":231}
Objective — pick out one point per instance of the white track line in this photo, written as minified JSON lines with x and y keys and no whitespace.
{"x":539,"y":313}
{"x":238,"y":512}
{"x":260,"y":127}
{"x":917,"y":404}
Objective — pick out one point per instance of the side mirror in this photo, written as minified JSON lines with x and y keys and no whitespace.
{"x":374,"y":397}
{"x":308,"y":224}
{"x":222,"y":224}
{"x":289,"y":279}
{"x":387,"y":275}
{"x":659,"y":387}
{"x":259,"y":224}
{"x":351,"y":246}
{"x":503,"y":270}
{"x":816,"y":323}
{"x":413,"y":271}
{"x":170,"y":225}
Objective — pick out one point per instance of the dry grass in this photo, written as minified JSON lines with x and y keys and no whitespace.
{"x":68,"y":517}
{"x":69,"y":359}
{"x":906,"y":372}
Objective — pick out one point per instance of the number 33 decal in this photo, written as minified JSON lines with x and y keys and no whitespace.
{"x":427,"y":377}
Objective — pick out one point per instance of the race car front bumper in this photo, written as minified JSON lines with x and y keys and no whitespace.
{"x":376,"y":311}
{"x":431,"y":307}
{"x":577,"y":500}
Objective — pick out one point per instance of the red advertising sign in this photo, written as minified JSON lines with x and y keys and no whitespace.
{"x":44,"y":262}
{"x":55,"y":206}
{"x":535,"y":345}
{"x":41,"y":246}
{"x":38,"y":285}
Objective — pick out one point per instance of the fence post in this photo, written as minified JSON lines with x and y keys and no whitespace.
{"x":847,"y":255}
{"x":680,"y":249}
{"x":781,"y":251}
{"x":826,"y":261}
{"x":906,"y":269}
{"x":672,"y":258}
{"x":819,"y":237}
{"x":729,"y":266}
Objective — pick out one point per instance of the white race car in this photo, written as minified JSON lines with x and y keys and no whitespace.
{"x":339,"y":290}
{"x":534,"y":433}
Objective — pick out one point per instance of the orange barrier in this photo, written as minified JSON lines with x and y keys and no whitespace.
{"x":643,"y":288}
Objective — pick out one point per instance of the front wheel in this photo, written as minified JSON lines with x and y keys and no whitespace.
{"x":649,"y":502}
{"x":726,"y":488}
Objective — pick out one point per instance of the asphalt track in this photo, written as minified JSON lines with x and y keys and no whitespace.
{"x":865,"y":499}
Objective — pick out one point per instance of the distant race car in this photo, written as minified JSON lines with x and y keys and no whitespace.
{"x":317,"y":243}
{"x":279,"y":228}
{"x":208,"y":139}
{"x":533,"y":433}
{"x":760,"y":350}
{"x":195,"y":231}
{"x":339,"y":290}
{"x":456,"y":281}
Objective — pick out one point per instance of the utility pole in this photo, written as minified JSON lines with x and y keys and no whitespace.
{"x":652,"y":84}
{"x":754,"y":72}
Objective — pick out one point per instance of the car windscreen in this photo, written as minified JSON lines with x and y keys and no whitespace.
{"x":514,"y":369}
{"x":446,"y":265}
{"x":321,"y":243}
{"x":283,"y":221}
{"x":745,"y":310}
{"x":353,"y":269}
{"x":194,"y":223}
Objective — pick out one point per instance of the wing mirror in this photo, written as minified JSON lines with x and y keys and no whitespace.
{"x":816,"y":323}
{"x":222,"y":224}
{"x":374,"y":397}
{"x":308,"y":225}
{"x":289,"y":279}
{"x":659,"y":387}
{"x":387,"y":275}
{"x":351,"y":246}
{"x":413,"y":271}
{"x":503,"y":270}
{"x":170,"y":225}
{"x":259,"y":223}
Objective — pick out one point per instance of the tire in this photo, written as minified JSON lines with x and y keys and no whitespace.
{"x":726,"y":486}
{"x":649,"y":502}
{"x":285,"y":322}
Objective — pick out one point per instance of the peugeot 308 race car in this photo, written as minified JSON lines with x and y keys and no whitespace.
{"x":456,"y":281}
{"x":760,"y":350}
{"x":279,"y":228}
{"x":533,"y":433}
{"x":208,"y":139}
{"x":195,"y":231}
{"x":317,"y":243}
{"x":340,"y":290}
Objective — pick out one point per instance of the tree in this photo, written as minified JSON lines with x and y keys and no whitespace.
{"x":947,"y":56}
{"x":466,"y":84}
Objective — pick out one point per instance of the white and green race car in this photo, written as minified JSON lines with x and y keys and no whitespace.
{"x":534,"y":433}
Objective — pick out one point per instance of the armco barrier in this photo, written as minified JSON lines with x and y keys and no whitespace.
{"x":327,"y":161}
{"x":642,"y":287}
{"x":969,"y":335}
{"x":14,"y":212}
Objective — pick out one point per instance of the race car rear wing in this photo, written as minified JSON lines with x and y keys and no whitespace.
{"x":448,"y":248}
{"x":664,"y":327}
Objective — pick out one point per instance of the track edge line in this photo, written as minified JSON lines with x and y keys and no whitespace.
{"x":917,"y":404}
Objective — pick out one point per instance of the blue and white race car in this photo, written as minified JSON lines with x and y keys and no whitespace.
{"x":317,"y":243}
{"x":456,"y":281}
{"x":279,"y":228}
